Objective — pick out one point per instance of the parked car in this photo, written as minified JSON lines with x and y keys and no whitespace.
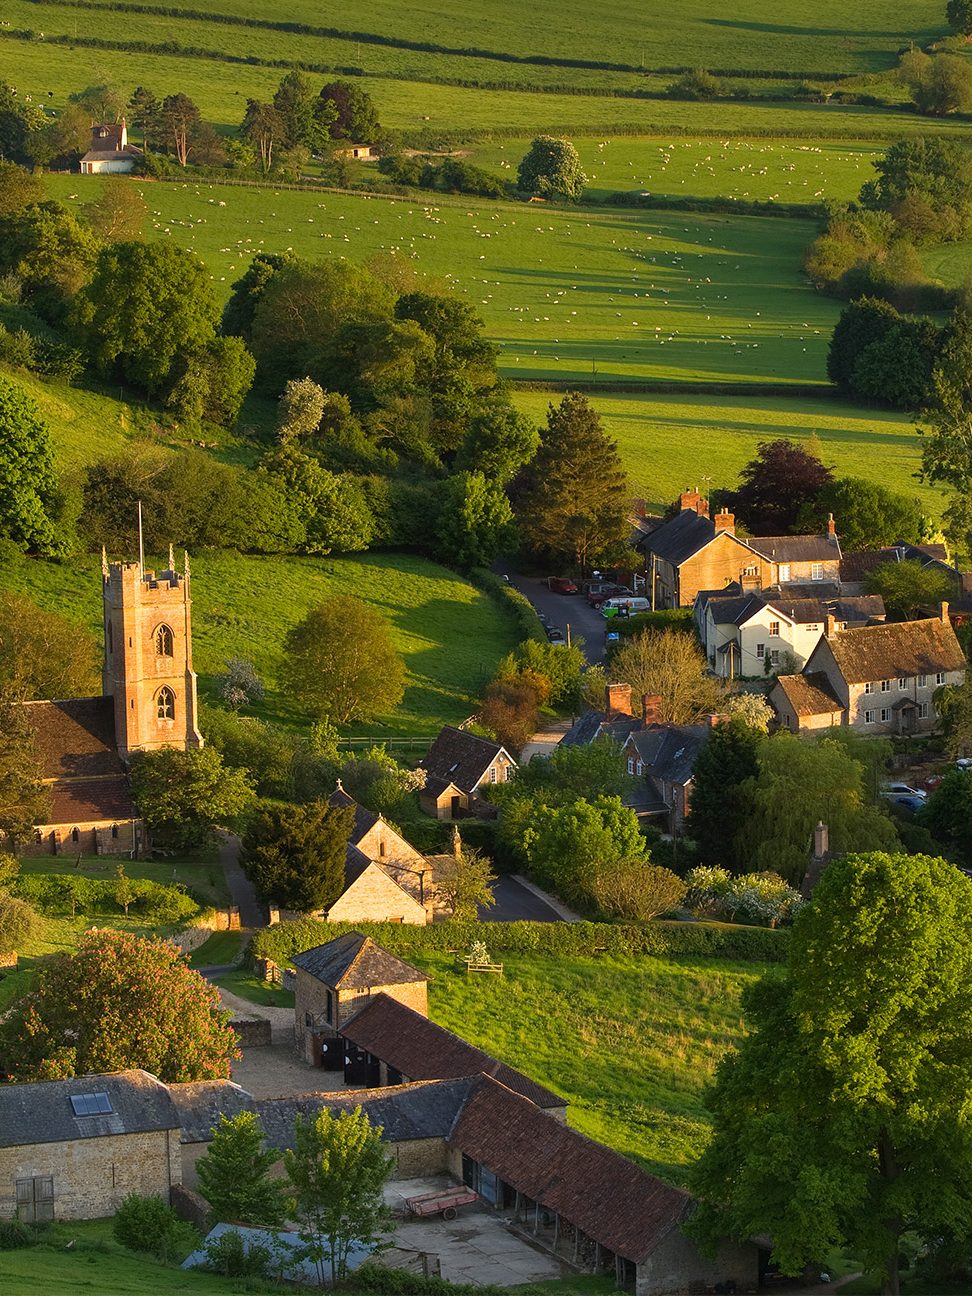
{"x":626,"y":604}
{"x":607,"y":590}
{"x":561,"y":585}
{"x":555,"y":636}
{"x":903,"y":789}
{"x":963,"y":763}
{"x":910,"y":803}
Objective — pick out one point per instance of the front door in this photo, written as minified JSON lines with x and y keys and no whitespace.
{"x":35,"y":1199}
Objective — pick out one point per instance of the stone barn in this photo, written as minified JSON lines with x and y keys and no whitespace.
{"x":73,"y":1149}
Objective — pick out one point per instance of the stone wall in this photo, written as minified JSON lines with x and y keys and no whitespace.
{"x":252,"y":1032}
{"x":676,"y":1262}
{"x":375,"y":897}
{"x":93,"y":1175}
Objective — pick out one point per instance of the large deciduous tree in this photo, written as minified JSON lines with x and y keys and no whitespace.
{"x":869,"y":516}
{"x":574,"y":507}
{"x":181,"y":123}
{"x":567,"y":845}
{"x":838,"y":1121}
{"x":947,"y":814}
{"x":670,"y":664}
{"x":930,"y":169}
{"x":476,"y":521}
{"x":264,"y":127}
{"x":959,"y":16}
{"x":782,"y":479}
{"x":295,"y":854}
{"x":184,"y":795}
{"x":348,"y":111}
{"x":909,"y":589}
{"x":464,"y":882}
{"x":28,"y":488}
{"x":336,"y":1172}
{"x":24,"y":799}
{"x":551,"y":169}
{"x":42,"y":654}
{"x":147,"y":306}
{"x":340,"y":661}
{"x":120,"y":1002}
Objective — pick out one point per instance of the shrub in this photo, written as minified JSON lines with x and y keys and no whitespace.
{"x":14,"y":1235}
{"x":522,"y":610}
{"x":280,"y":942}
{"x":763,"y":899}
{"x":149,"y":1224}
{"x":229,"y":1254}
{"x":58,"y":893}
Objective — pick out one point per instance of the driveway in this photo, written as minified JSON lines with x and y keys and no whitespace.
{"x":566,"y":609}
{"x":518,"y":902}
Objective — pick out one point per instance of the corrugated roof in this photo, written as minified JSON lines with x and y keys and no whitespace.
{"x":459,"y":758}
{"x":355,"y":962}
{"x":75,"y":738}
{"x":809,"y":694}
{"x":42,"y":1112}
{"x":876,"y":652}
{"x":599,"y":1191}
{"x":421,"y":1050}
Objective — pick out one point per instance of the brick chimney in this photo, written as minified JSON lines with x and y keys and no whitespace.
{"x":651,"y":709}
{"x":830,"y":626}
{"x":692,"y":501}
{"x":617,"y":699}
{"x":821,"y":840}
{"x":725,"y":522}
{"x":944,"y":613}
{"x":831,"y":525}
{"x":714,"y":718}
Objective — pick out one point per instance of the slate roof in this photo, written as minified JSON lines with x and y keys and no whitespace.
{"x":422,"y":1110}
{"x":858,"y":563}
{"x":677,"y":540}
{"x":598,"y":724}
{"x":809,"y":694}
{"x":42,"y":1112}
{"x":669,"y":752}
{"x":129,"y":153}
{"x":734,"y":609}
{"x":601,"y":1192}
{"x":355,"y":962}
{"x":867,"y":653}
{"x":91,"y":801}
{"x":75,"y":738}
{"x":421,"y":1050}
{"x":459,"y":758}
{"x":364,"y":820}
{"x":200,"y":1103}
{"x":793,"y":549}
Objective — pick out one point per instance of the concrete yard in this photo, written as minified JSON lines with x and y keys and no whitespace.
{"x":477,"y":1247}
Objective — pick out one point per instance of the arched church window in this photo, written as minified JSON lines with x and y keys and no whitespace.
{"x":163,"y":641}
{"x":165,"y":704}
{"x":75,"y":835}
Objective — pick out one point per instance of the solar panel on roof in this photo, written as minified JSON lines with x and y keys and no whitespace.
{"x":95,"y":1104}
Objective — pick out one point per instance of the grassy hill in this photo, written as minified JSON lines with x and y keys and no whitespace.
{"x":451,"y":634}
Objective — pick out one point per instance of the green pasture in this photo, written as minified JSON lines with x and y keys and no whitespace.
{"x":450,"y":634}
{"x":949,"y":262}
{"x":754,"y":35}
{"x":751,"y":170}
{"x":630,"y":1043}
{"x":668,"y":442}
{"x":50,"y":72}
{"x":564,"y":293}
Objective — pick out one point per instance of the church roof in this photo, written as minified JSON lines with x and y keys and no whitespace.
{"x":92,"y":801}
{"x":75,"y":738}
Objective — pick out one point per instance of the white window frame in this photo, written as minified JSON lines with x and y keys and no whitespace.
{"x":868,"y":717}
{"x":492,"y":773}
{"x":939,"y":677}
{"x":631,"y":765}
{"x":869,"y":687}
{"x":816,"y":571}
{"x":784,"y":572}
{"x":922,"y":681}
{"x":902,"y":684}
{"x":760,"y":651}
{"x":885,"y":686}
{"x":922,"y":710}
{"x":774,"y":629}
{"x":885,"y":715}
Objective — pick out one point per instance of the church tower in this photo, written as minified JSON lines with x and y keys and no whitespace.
{"x":148,"y":657}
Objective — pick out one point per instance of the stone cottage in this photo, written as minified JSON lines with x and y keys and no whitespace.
{"x":386,"y":879}
{"x":458,"y":765}
{"x":73,"y":1149}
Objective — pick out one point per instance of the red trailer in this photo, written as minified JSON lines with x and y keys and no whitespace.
{"x":445,"y":1202}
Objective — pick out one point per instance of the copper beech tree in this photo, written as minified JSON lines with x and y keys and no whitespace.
{"x":120,"y":1002}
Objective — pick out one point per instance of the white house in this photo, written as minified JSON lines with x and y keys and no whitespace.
{"x":110,"y":150}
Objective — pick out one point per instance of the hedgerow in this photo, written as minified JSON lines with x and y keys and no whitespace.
{"x":585,"y":939}
{"x":517,"y":604}
{"x":57,"y":893}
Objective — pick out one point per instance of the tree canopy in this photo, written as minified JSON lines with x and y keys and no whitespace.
{"x":781,"y":480}
{"x":719,"y":809}
{"x":234,"y":1174}
{"x":836,"y":1117}
{"x":42,"y":654}
{"x":551,"y":169}
{"x":868,"y":515}
{"x":28,"y":488}
{"x":120,"y":1002}
{"x":184,"y":795}
{"x":671,"y":665}
{"x":295,"y":854}
{"x":909,"y":589}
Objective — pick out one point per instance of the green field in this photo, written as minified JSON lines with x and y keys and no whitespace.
{"x":630,"y":1043}
{"x":450,"y":634}
{"x":668,"y":442}
{"x":638,"y":295}
{"x":757,"y":169}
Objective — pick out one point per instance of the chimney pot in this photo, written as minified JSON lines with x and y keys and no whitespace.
{"x":617,"y":699}
{"x":831,"y":525}
{"x":725,"y":521}
{"x":944,"y":613}
{"x":830,"y":626}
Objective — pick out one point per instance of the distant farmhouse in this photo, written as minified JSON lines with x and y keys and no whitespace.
{"x":110,"y":151}
{"x":148,"y":701}
{"x":457,"y":766}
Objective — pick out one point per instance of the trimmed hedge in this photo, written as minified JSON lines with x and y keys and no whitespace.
{"x":517,"y":604}
{"x":584,"y":939}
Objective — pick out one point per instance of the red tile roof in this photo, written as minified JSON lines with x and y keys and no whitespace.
{"x":421,"y":1050}
{"x":599,"y":1191}
{"x":92,"y":801}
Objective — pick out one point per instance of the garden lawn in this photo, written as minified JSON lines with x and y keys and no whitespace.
{"x":450,"y":634}
{"x":668,"y":442}
{"x":562,"y":292}
{"x":630,"y":1043}
{"x":751,"y":170}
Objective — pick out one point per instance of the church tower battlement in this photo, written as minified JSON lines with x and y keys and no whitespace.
{"x":148,"y":657}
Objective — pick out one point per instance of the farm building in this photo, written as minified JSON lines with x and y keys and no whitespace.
{"x":110,"y":151}
{"x":358,"y":152}
{"x":386,"y":879}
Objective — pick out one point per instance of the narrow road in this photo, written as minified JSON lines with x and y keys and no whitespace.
{"x":517,"y":900}
{"x":562,"y":610}
{"x":252,"y":914}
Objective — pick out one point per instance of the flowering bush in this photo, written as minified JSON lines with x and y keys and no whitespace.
{"x":761,"y":899}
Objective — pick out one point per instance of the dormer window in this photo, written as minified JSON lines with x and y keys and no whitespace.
{"x":163,"y":641}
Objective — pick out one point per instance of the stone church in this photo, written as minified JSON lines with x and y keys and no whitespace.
{"x":148,"y":700}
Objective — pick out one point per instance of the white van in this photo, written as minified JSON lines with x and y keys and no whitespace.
{"x":627,"y":603}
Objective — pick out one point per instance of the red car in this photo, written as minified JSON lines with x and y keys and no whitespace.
{"x":561,"y":585}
